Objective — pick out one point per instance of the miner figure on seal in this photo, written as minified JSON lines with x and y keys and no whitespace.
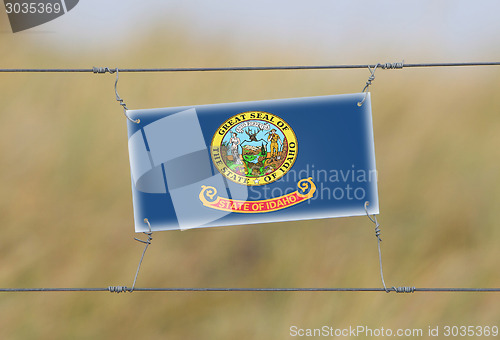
{"x":275,"y":139}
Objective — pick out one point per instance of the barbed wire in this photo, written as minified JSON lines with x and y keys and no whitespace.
{"x":398,"y":65}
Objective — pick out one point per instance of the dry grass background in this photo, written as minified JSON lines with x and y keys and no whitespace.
{"x":66,"y":209}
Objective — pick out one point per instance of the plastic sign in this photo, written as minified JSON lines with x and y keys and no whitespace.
{"x":252,"y":162}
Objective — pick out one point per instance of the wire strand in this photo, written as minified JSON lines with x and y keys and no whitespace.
{"x":149,"y":234}
{"x":246,"y":68}
{"x":173,"y":289}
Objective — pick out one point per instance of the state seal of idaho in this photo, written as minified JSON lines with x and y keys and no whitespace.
{"x":254,"y":148}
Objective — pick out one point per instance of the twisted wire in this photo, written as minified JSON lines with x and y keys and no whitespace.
{"x":117,"y":289}
{"x":147,"y":243}
{"x":379,"y":239}
{"x":118,"y":98}
{"x":392,"y":66}
{"x":404,"y":289}
{"x":371,"y":78}
{"x":102,"y":70}
{"x":377,"y":234}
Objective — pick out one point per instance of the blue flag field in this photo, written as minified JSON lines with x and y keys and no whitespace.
{"x":252,"y":162}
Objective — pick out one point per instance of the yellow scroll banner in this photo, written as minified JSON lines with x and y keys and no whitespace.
{"x":208,"y":196}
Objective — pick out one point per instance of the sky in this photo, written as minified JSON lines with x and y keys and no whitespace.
{"x":444,"y":29}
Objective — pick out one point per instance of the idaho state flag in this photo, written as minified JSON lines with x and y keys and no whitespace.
{"x":252,"y":162}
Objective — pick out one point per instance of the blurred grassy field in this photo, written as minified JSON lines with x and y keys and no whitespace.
{"x":66,"y":208}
